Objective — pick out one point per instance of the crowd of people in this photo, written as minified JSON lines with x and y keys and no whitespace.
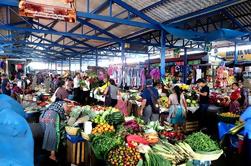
{"x":77,"y":89}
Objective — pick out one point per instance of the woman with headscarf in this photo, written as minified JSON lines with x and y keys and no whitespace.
{"x":234,"y":105}
{"x":50,"y":122}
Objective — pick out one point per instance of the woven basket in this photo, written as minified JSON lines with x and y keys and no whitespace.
{"x":71,"y":130}
{"x":231,"y":120}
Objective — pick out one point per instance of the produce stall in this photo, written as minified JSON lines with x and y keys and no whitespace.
{"x":119,"y":140}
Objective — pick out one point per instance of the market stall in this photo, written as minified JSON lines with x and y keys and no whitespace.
{"x":119,"y":140}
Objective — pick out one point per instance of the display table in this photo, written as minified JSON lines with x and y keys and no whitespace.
{"x":75,"y":147}
{"x":79,"y":151}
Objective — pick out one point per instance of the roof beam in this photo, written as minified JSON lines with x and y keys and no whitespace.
{"x":84,"y":22}
{"x":13,"y":28}
{"x":116,"y":20}
{"x":137,"y":13}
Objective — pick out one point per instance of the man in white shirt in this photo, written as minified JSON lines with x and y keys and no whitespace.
{"x":76,"y":88}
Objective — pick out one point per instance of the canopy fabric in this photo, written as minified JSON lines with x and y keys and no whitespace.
{"x":220,"y":34}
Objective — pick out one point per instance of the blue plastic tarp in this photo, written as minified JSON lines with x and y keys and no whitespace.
{"x":220,"y":34}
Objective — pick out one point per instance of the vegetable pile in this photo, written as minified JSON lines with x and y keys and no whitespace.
{"x":201,"y":142}
{"x":115,"y":118}
{"x":99,"y":119}
{"x":172,"y":136}
{"x":102,"y":128}
{"x":127,"y":141}
{"x":177,"y":153}
{"x":102,"y":144}
{"x":132,"y":126}
{"x":124,"y":156}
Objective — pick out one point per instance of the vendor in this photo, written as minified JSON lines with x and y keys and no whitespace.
{"x":112,"y":93}
{"x":147,"y":107}
{"x":234,"y":105}
{"x":204,"y":101}
{"x":178,"y":109}
{"x":246,"y":118}
{"x":50,"y":123}
{"x":61,"y":93}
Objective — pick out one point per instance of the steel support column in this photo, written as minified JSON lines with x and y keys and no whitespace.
{"x":51,"y":65}
{"x":70,"y":64}
{"x":123,"y":62}
{"x":185,"y":66}
{"x":235,"y":55}
{"x":81,"y":60}
{"x":56,"y":66}
{"x":163,"y":54}
{"x":62,"y":65}
{"x":48,"y":67}
{"x":96,"y":60}
{"x":149,"y":64}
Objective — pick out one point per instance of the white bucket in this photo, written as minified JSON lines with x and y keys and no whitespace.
{"x":88,"y":127}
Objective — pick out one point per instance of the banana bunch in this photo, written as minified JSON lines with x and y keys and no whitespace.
{"x":103,"y":88}
{"x":164,"y":101}
{"x":184,"y":87}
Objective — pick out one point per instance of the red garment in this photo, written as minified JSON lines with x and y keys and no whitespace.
{"x":234,"y":107}
{"x":135,"y":138}
{"x":235,"y":95}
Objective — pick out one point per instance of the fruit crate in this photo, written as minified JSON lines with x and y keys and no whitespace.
{"x":192,"y":126}
{"x":79,"y":152}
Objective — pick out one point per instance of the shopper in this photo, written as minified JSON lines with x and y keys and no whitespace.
{"x":203,"y":101}
{"x":189,"y":79}
{"x":149,"y":107}
{"x":50,"y":123}
{"x":246,"y":118}
{"x":61,"y":93}
{"x":86,"y":90}
{"x":69,"y":85}
{"x":76,"y":88}
{"x":178,"y":109}
{"x":111,"y":94}
{"x":234,"y":105}
{"x":5,"y":86}
{"x":244,"y":96}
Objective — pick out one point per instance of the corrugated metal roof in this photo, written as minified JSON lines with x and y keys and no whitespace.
{"x":159,"y":10}
{"x":175,"y":8}
{"x":242,"y":14}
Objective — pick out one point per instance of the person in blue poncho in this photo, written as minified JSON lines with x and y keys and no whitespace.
{"x":246,"y":118}
{"x":16,"y":142}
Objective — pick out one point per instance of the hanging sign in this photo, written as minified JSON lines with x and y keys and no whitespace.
{"x":242,"y":54}
{"x":63,"y":10}
{"x":169,"y":53}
